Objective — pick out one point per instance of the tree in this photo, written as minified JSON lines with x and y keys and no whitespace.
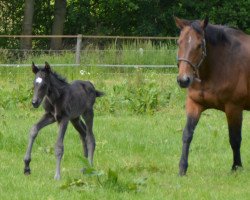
{"x":58,"y":23}
{"x":110,"y":17}
{"x":26,"y":43}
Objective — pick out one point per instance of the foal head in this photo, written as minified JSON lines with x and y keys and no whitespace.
{"x":41,"y":83}
{"x":191,"y":51}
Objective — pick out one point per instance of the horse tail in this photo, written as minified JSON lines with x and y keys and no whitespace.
{"x":88,"y":87}
{"x":99,"y":93}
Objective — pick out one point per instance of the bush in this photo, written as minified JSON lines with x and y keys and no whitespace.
{"x":138,"y":96}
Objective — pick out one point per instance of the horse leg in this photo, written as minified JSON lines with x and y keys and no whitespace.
{"x":90,"y":139}
{"x":81,"y":128}
{"x":59,"y":148}
{"x":234,"y":119}
{"x":193,"y":112}
{"x":44,"y":121}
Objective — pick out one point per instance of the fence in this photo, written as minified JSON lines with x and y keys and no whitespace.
{"x":85,"y":50}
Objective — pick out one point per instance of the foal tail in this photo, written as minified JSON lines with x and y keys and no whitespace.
{"x":89,"y":88}
{"x":99,"y":93}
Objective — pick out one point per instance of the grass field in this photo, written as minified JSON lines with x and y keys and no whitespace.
{"x":138,"y":128}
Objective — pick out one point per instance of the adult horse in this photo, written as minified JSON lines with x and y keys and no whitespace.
{"x":63,"y":102}
{"x":214,"y":66}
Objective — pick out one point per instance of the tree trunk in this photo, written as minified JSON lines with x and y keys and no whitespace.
{"x":58,"y":24}
{"x":25,"y":43}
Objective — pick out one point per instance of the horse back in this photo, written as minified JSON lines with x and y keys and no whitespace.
{"x":225,"y":78}
{"x":76,"y":98}
{"x":84,"y":91}
{"x":87,"y":87}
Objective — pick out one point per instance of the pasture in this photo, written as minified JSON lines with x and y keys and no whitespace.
{"x":138,"y":129}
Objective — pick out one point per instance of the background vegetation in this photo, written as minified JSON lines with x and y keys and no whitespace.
{"x":119,"y":17}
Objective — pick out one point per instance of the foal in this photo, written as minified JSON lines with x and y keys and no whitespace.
{"x":63,"y":102}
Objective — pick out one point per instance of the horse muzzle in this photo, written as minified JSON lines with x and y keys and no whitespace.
{"x":36,"y":103}
{"x":185,"y":81}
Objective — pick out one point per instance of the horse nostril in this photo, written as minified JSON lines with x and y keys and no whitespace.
{"x":184,"y":81}
{"x":35,"y":104}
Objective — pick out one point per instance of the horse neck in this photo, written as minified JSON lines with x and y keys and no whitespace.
{"x":209,"y":60}
{"x":56,"y":88}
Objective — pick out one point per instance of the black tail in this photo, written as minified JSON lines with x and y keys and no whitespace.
{"x":99,"y":93}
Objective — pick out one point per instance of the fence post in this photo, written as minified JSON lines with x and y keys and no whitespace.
{"x":78,"y":49}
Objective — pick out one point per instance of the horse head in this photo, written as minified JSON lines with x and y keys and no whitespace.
{"x":41,"y":83}
{"x":191,"y":50}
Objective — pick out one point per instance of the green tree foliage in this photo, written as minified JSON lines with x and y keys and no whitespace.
{"x":11,"y":14}
{"x":124,"y":17}
{"x":151,"y":17}
{"x":231,"y":13}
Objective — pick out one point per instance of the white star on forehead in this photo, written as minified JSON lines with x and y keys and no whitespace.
{"x":39,"y":80}
{"x":189,"y":39}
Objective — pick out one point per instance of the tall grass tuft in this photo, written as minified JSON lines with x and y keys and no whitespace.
{"x":136,"y":53}
{"x":114,"y":53}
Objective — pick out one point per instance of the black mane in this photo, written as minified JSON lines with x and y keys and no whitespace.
{"x":57,"y":76}
{"x":216,"y":34}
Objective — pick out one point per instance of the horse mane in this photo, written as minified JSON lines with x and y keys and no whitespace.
{"x":57,"y":76}
{"x":216,"y":34}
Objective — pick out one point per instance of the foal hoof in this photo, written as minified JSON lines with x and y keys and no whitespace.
{"x":182,"y":173}
{"x":57,"y":177}
{"x":27,"y":171}
{"x":83,"y":170}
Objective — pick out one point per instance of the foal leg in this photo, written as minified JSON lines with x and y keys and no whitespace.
{"x":44,"y":121}
{"x":59,"y":148}
{"x":81,"y":128}
{"x":90,"y":139}
{"x":234,"y":119}
{"x":193,"y":115}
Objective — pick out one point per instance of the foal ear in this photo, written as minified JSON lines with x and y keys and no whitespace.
{"x":181,"y":23}
{"x":204,"y":23}
{"x":34,"y":68}
{"x":47,"y":67}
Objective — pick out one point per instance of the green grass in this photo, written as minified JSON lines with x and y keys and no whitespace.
{"x":141,"y":53}
{"x":126,"y":53}
{"x":137,"y":153}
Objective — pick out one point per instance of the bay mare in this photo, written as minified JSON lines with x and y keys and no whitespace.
{"x":214,"y":66}
{"x":63,"y":102}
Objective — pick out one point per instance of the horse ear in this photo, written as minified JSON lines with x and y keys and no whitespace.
{"x":181,"y":23}
{"x":47,"y":67}
{"x":204,"y":23}
{"x":34,"y":68}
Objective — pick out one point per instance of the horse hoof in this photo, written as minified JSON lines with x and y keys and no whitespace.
{"x":27,"y":171}
{"x":57,"y":177}
{"x":182,"y":173}
{"x":83,"y":170}
{"x":236,"y":167}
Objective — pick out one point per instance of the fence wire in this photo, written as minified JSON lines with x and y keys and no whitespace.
{"x":98,"y":51}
